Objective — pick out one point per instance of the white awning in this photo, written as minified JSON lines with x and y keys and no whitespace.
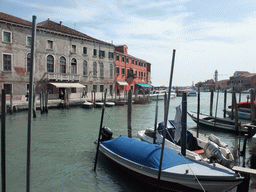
{"x":68,"y":85}
{"x":122,"y":82}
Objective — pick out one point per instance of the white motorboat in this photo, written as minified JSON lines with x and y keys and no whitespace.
{"x":87,"y":104}
{"x":109,"y":104}
{"x":161,"y":94}
{"x":204,"y":148}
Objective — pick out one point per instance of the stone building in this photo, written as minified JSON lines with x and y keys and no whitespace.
{"x":243,"y":80}
{"x":62,"y":56}
{"x":130,"y":72}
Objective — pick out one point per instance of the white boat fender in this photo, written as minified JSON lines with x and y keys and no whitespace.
{"x":212,"y":150}
{"x":216,"y":140}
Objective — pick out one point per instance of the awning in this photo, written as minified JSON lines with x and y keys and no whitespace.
{"x":68,"y":85}
{"x":122,"y":82}
{"x":144,"y":85}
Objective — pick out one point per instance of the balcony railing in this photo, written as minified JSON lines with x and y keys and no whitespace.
{"x":61,"y":77}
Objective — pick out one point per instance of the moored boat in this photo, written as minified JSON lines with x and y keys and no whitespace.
{"x":204,"y":148}
{"x":160,"y":94}
{"x":99,"y":104}
{"x":243,"y":113}
{"x":87,"y":104}
{"x":109,"y":104}
{"x":179,"y":173}
{"x":211,"y":122}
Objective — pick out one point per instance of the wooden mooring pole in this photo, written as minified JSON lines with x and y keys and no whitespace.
{"x":198,"y":112}
{"x":129,"y":114}
{"x":211,"y":102}
{"x":252,"y":106}
{"x":184,"y":124}
{"x":225,"y":103}
{"x":3,"y":149}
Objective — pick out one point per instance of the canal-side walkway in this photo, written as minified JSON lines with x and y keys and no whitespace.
{"x":20,"y":105}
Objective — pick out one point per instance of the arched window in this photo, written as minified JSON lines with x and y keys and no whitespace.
{"x":111,"y":70}
{"x":50,"y":63}
{"x":73,"y":66}
{"x":85,"y":67}
{"x":28,"y":62}
{"x":62,"y":65}
{"x":101,"y":70}
{"x":94,"y":69}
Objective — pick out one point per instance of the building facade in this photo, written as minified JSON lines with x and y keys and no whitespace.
{"x":62,"y":55}
{"x":131,"y":73}
{"x":243,"y":80}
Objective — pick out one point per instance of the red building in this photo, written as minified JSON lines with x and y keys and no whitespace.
{"x":130,"y":72}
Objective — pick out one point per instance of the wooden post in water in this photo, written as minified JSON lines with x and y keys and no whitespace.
{"x":156,"y":115}
{"x":11,"y":102}
{"x":31,"y":92}
{"x":252,"y":106}
{"x":216,"y":109}
{"x":46,"y":101}
{"x":92,"y":96}
{"x":101,"y":123}
{"x":240,"y":96}
{"x":165,"y":120}
{"x":3,"y":149}
{"x":34,"y":106}
{"x":129,"y":114}
{"x":225,"y":103}
{"x":232,"y":104}
{"x":184,"y":124}
{"x":198,"y":112}
{"x":236,"y":114}
{"x":41,"y":107}
{"x":211,"y":102}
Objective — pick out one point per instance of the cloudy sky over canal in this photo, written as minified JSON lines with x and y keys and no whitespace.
{"x":207,"y":35}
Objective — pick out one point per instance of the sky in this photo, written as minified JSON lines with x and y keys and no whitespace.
{"x":207,"y":35}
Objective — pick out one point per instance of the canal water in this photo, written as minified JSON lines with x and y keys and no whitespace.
{"x":63,"y":149}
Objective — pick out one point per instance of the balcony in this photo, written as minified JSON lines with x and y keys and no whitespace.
{"x":61,"y":77}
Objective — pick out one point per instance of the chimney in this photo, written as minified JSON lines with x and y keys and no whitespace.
{"x":60,"y":23}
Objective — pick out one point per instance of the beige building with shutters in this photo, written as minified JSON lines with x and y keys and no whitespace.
{"x":62,"y":56}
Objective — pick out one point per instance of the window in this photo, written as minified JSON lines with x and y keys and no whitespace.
{"x":111,"y":70}
{"x":94,"y":69}
{"x":101,"y":88}
{"x":49,"y":44}
{"x":123,"y":59}
{"x":62,"y":65}
{"x":50,"y":63}
{"x":145,"y":65}
{"x":111,"y":89}
{"x":101,"y":70}
{"x":28,"y":62}
{"x":132,"y":61}
{"x":117,"y":70}
{"x":94,"y":87}
{"x":73,"y":49}
{"x":7,"y":37}
{"x":73,"y":90}
{"x":85,"y":50}
{"x":127,"y":60}
{"x":123,"y":71}
{"x":7,"y":60}
{"x":128,"y":72}
{"x":111,"y":55}
{"x":117,"y":57}
{"x":8,"y":88}
{"x":73,"y":66}
{"x":85,"y":68}
{"x":29,"y":41}
{"x":102,"y":54}
{"x":95,"y":52}
{"x":144,"y":75}
{"x":136,"y":62}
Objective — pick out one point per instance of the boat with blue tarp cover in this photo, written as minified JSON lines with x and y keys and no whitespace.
{"x":142,"y":159}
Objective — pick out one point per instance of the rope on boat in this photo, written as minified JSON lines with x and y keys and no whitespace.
{"x":187,"y":163}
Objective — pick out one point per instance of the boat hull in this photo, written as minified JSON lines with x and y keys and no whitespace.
{"x":241,"y":115}
{"x":209,"y":122}
{"x":176,"y":178}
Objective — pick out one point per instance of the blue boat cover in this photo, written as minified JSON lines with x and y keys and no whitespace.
{"x":144,"y":153}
